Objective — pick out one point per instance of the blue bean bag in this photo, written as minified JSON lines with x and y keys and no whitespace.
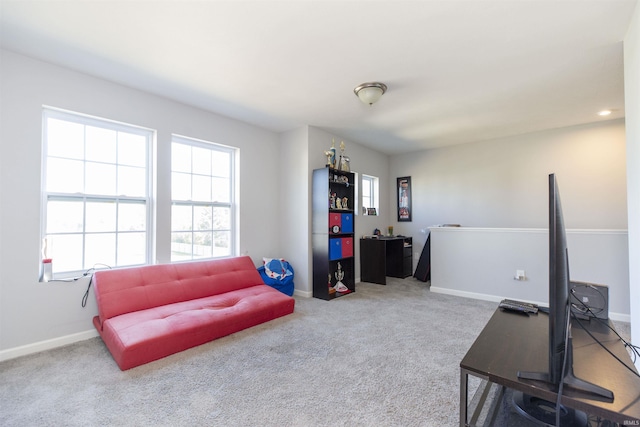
{"x":277,"y":273}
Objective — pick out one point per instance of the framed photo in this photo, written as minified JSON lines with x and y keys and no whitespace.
{"x":404,"y":198}
{"x":371,"y":211}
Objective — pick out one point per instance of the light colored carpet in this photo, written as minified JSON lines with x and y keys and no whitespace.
{"x":383,"y":356}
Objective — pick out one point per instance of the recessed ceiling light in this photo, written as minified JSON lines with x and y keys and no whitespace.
{"x":604,"y":113}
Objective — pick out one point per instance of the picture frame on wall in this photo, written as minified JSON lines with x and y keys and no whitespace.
{"x":404,"y":198}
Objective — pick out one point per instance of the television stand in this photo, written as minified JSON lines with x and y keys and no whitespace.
{"x":510,"y":343}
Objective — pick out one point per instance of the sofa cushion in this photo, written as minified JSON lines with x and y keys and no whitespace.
{"x":143,"y":336}
{"x":128,"y":290}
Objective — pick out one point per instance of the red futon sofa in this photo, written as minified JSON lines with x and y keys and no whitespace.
{"x":146,"y":313}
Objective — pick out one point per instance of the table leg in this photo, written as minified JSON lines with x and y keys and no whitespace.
{"x":464,"y":382}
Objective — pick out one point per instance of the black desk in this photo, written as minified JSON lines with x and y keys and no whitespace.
{"x":511,"y":342}
{"x":385,"y":256}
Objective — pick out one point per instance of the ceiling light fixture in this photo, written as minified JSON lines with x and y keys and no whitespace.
{"x":369,"y":93}
{"x":604,"y":113}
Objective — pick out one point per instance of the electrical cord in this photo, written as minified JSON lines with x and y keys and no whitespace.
{"x":88,"y":272}
{"x":583,"y":308}
{"x":564,"y":365}
{"x":587,"y":309}
{"x":69,"y":280}
{"x":635,"y":352}
{"x":633,"y":348}
{"x":85,"y":297}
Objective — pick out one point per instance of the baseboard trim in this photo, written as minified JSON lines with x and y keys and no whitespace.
{"x":305,"y":294}
{"x":37,"y":347}
{"x":618,"y":317}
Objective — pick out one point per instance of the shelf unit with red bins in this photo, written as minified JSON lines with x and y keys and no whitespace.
{"x":333,"y":232}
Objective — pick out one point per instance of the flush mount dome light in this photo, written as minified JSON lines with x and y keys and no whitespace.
{"x":604,"y":112}
{"x":369,"y":93}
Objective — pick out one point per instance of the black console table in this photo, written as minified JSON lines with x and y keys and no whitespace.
{"x":385,"y":256}
{"x":512,"y":342}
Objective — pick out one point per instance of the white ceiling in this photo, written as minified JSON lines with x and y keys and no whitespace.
{"x":457,"y":71}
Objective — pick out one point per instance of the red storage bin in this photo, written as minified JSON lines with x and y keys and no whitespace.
{"x":347,"y":247}
{"x":335,"y":219}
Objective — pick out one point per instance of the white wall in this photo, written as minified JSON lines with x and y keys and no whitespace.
{"x":503,"y":183}
{"x":482,"y":262}
{"x":33,"y":312}
{"x":632,"y":110}
{"x":294,"y":201}
{"x":498,"y":190}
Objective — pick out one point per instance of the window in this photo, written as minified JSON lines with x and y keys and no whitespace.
{"x":96,"y":190}
{"x":202,"y":193}
{"x":369,"y":193}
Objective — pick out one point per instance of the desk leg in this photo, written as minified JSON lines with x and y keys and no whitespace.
{"x":464,"y":383}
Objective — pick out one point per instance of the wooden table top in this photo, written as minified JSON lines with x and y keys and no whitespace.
{"x":512,"y":342}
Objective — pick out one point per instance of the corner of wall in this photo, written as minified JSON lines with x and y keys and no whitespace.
{"x":293,"y":196}
{"x":632,"y":125}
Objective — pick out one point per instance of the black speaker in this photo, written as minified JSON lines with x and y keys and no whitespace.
{"x":589,"y":300}
{"x":423,"y":270}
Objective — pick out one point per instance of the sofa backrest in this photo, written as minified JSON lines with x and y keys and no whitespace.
{"x":126,"y":290}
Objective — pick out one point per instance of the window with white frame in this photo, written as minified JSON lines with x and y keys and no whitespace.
{"x":96,"y":192}
{"x":369,"y":193}
{"x":203,"y":205}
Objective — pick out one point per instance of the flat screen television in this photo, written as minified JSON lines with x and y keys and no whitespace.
{"x":560,"y":371}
